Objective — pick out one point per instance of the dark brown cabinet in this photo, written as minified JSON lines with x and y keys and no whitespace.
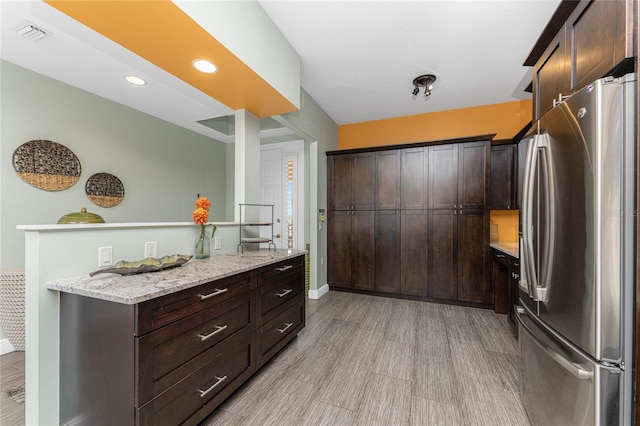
{"x":523,"y":145}
{"x":387,"y":191}
{"x":414,"y":178}
{"x":428,"y":234}
{"x":351,"y":181}
{"x":414,"y":252}
{"x":473,"y":258}
{"x":600,"y":36}
{"x":388,"y":251}
{"x":595,"y":41}
{"x":458,"y":176}
{"x":549,"y":76}
{"x":175,"y":358}
{"x":443,"y":254}
{"x":458,"y":256}
{"x":459,"y":222}
{"x":505,"y":279}
{"x":503,"y":169}
{"x":351,"y":250}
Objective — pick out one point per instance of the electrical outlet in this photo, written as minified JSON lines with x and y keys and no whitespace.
{"x":217,"y":243}
{"x":151,"y":249}
{"x":105,"y":256}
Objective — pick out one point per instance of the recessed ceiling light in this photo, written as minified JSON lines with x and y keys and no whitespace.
{"x":135,"y":80}
{"x":204,"y":66}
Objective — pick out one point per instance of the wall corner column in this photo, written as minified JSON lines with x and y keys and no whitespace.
{"x":247,"y":160}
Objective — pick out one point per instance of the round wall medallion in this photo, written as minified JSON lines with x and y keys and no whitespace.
{"x":104,"y":190}
{"x":46,"y":165}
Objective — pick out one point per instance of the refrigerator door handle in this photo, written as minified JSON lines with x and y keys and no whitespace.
{"x":569,"y":366}
{"x":546,"y":242}
{"x":528,"y":265}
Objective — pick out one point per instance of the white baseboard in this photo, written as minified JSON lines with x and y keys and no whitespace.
{"x":5,"y":347}
{"x":317,"y":294}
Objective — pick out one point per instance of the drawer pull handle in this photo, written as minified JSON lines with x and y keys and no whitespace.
{"x":284,"y":268}
{"x":215,"y":293}
{"x":284,"y":293}
{"x":286,"y":327}
{"x":212,"y":387}
{"x":213,"y":333}
{"x":500,"y":256}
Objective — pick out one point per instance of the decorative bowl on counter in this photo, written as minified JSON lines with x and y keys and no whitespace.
{"x":149,"y":264}
{"x":83,"y":216}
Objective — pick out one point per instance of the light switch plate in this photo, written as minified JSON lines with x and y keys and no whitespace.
{"x":105,"y":256}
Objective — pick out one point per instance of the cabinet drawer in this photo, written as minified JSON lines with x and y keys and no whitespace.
{"x":164,"y":356}
{"x":275,"y":334}
{"x":159,"y":312}
{"x":280,"y":284}
{"x":224,"y":369}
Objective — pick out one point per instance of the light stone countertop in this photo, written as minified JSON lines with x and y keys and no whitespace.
{"x":132,"y":289}
{"x":510,"y":248}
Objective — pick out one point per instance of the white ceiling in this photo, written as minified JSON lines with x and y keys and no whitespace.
{"x":358,"y":57}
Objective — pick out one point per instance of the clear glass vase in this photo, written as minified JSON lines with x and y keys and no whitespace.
{"x":203,"y":246}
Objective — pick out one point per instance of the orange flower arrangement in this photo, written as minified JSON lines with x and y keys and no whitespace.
{"x":201,"y":217}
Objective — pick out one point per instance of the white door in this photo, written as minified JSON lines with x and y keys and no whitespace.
{"x":281,"y":184}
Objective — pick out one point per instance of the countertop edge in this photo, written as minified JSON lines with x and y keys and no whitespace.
{"x":510,"y":249}
{"x":151,"y":285}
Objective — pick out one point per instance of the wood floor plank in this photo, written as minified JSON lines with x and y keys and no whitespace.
{"x":491,"y":331}
{"x":285,"y":404}
{"x":403,"y":327}
{"x":386,"y":401}
{"x":223,"y":418}
{"x":315,"y":364}
{"x":427,"y":412}
{"x":346,"y":387}
{"x":395,"y":359}
{"x":322,"y":414}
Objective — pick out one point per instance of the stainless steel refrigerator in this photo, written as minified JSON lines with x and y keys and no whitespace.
{"x":577,"y":259}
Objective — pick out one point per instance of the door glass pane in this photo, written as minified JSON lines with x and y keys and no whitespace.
{"x":290,"y":210}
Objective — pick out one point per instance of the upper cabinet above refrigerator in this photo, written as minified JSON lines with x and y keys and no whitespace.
{"x":595,"y":40}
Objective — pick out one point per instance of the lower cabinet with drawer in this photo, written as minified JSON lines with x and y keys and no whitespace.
{"x":505,"y":277}
{"x":174,"y":359}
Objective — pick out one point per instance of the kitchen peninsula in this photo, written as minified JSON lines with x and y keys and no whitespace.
{"x":149,"y":315}
{"x":177,"y":342}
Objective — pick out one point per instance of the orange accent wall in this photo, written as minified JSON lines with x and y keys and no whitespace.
{"x":163,"y":34}
{"x":505,"y":119}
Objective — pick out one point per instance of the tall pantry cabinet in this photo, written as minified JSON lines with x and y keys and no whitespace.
{"x":419,"y":226}
{"x":350,"y":220}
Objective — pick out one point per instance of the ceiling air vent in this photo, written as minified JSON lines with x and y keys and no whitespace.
{"x":30,"y":31}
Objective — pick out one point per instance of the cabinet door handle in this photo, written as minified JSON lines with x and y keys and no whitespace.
{"x":284,"y":293}
{"x":287,"y":325}
{"x":213,"y":386}
{"x":218,"y":329}
{"x":284,"y":268}
{"x":217,"y":292}
{"x":500,"y":256}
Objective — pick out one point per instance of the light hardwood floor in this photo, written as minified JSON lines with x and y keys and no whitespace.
{"x":11,"y":374}
{"x":364,"y":360}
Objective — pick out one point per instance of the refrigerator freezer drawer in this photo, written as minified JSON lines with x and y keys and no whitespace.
{"x":560,"y":386}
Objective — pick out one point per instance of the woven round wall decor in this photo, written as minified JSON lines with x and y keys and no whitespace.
{"x":46,"y":165}
{"x":104,"y":190}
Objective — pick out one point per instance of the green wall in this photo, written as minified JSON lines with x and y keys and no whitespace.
{"x":162,"y":166}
